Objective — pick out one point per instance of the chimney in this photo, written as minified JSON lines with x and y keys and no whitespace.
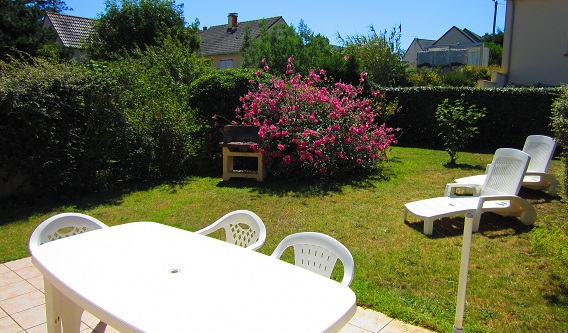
{"x":233,"y":20}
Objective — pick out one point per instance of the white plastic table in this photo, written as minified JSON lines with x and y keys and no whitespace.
{"x":149,"y":277}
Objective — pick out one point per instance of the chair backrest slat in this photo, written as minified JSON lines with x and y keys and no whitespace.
{"x":318,"y":253}
{"x":541,"y":149}
{"x":506,"y":172}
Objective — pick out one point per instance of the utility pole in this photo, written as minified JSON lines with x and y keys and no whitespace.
{"x":494,"y":20}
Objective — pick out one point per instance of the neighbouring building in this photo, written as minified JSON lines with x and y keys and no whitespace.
{"x":70,"y":31}
{"x":417,"y":45}
{"x":456,"y":47}
{"x":222,"y":43}
{"x":535,"y":45}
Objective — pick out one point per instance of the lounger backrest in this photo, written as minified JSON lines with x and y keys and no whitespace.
{"x":541,"y":149}
{"x":506,"y":172}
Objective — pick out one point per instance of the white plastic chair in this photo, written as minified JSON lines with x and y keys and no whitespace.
{"x":242,"y":227}
{"x":541,"y":149}
{"x":497,"y":194}
{"x":61,"y":226}
{"x":318,"y":253}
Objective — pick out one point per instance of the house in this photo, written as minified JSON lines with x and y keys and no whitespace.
{"x":535,"y":45}
{"x":417,"y":45}
{"x":456,"y":46}
{"x":70,"y":31}
{"x":222,"y":44}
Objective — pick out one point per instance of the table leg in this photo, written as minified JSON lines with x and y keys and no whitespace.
{"x":60,"y":312}
{"x":52,"y":305}
{"x":70,"y":316}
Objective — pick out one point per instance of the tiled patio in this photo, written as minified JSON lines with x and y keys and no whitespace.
{"x":22,"y":307}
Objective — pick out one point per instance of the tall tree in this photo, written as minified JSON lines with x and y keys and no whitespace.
{"x":21,"y":23}
{"x":136,"y":24}
{"x":309,"y":50}
{"x":275,"y":44}
{"x":495,"y":45}
{"x":379,"y":54}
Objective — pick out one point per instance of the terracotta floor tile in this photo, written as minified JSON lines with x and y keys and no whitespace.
{"x":23,"y":302}
{"x":37,"y":282}
{"x":353,"y":329}
{"x":38,"y":329}
{"x":397,"y":327}
{"x":19,"y":264}
{"x":15,"y":289}
{"x":9,"y":278}
{"x":89,"y":319}
{"x":28,"y":272}
{"x":30,"y":317}
{"x":109,"y":329}
{"x":4,"y":269}
{"x":369,"y":320}
{"x":8,"y":325}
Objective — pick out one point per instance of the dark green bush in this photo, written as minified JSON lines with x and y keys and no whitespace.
{"x":154,"y":88}
{"x":215,"y":96}
{"x":69,"y":127}
{"x":46,"y":126}
{"x":559,"y":125}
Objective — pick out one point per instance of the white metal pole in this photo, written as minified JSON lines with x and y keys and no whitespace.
{"x":464,"y":267}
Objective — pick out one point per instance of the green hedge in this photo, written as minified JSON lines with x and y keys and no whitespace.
{"x":69,"y":127}
{"x":512,"y":114}
{"x":49,"y":130}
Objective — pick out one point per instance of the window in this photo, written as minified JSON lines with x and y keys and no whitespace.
{"x":226,"y":63}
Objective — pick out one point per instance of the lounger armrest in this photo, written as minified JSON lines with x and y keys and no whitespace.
{"x":487,"y":168}
{"x":521,"y":207}
{"x":451,"y":189}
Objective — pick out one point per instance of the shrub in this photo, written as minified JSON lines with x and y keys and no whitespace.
{"x":166,"y":132}
{"x":310,"y":129}
{"x":215,"y":96}
{"x":458,"y":124}
{"x":465,"y":76}
{"x":46,"y":132}
{"x":424,"y":77}
{"x":560,"y":127}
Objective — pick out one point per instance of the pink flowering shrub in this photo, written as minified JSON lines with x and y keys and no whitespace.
{"x":311,"y":128}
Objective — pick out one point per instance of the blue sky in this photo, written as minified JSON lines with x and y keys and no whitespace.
{"x":428,"y":19}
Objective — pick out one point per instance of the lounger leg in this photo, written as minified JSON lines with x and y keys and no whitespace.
{"x":428,"y":226}
{"x":476,"y":219}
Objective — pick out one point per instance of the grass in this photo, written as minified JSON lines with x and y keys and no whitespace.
{"x":516,"y":283}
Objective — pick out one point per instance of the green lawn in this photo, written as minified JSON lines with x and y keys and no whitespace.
{"x":514,"y":285}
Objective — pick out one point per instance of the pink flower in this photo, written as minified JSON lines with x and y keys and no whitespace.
{"x":266,"y":68}
{"x":346,"y":57}
{"x":280,"y":146}
{"x":264,"y":60}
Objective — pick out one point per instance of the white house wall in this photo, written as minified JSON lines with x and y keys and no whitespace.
{"x":535,"y":49}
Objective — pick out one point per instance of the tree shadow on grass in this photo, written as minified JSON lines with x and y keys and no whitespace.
{"x":307,"y":187}
{"x":491,"y":226}
{"x":463,"y":166}
{"x":18,"y":209}
{"x":537,"y":197}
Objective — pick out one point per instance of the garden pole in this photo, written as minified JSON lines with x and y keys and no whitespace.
{"x":464,"y":267}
